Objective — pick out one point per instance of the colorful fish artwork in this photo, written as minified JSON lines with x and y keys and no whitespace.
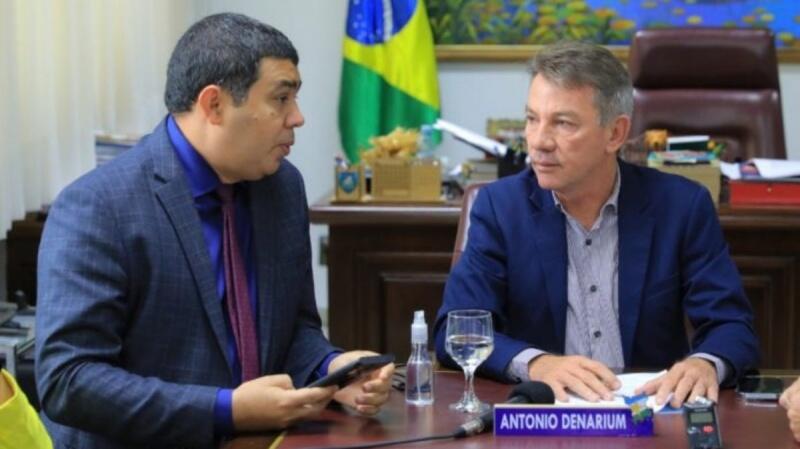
{"x":610,"y":22}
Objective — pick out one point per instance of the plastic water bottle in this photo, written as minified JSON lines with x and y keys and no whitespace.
{"x":427,"y":141}
{"x":419,"y":370}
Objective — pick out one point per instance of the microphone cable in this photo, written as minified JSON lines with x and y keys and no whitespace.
{"x":447,"y":436}
{"x":524,"y":393}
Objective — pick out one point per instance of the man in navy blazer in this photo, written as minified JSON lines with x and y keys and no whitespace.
{"x":135,"y":345}
{"x":588,"y":263}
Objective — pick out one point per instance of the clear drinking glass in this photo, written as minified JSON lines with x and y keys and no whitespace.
{"x":469,"y":341}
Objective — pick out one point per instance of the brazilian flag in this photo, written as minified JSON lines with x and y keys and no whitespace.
{"x":389,"y":71}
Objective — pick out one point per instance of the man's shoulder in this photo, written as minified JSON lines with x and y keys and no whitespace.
{"x":288,"y":171}
{"x":513,"y":195}
{"x":282,"y":190}
{"x":128,"y":171}
{"x":519,"y":185}
{"x":287,"y":177}
{"x":659,"y":185}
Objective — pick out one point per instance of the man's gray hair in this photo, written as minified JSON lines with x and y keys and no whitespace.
{"x":571,"y":65}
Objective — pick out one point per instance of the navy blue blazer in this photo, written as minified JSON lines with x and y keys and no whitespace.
{"x":130,"y":332}
{"x":673,"y":261}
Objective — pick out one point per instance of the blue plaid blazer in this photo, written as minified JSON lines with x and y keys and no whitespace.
{"x":130,"y":332}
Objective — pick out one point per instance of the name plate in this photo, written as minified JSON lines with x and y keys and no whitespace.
{"x":579,"y":420}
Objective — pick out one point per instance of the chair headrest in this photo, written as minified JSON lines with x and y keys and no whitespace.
{"x":717,"y":58}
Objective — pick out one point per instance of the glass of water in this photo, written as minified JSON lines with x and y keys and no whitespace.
{"x":469,"y":341}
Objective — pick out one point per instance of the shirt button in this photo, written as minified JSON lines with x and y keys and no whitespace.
{"x":598,"y":334}
{"x":588,"y":242}
{"x":593,"y":288}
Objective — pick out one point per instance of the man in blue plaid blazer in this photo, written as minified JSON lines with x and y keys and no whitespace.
{"x":135,"y":345}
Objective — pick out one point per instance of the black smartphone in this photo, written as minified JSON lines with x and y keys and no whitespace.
{"x":353,"y":370}
{"x":758,"y":388}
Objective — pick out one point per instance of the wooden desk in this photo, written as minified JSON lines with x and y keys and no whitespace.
{"x":743,"y":425}
{"x":385,"y":261}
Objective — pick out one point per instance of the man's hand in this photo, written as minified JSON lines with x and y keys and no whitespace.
{"x":271,"y":402}
{"x":687,"y":379}
{"x":367,"y":394}
{"x":585,"y":377}
{"x":790,"y":400}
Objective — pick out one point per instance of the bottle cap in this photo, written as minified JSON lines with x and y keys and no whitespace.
{"x":419,"y":329}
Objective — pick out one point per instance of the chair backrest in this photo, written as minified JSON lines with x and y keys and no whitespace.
{"x":717,"y":81}
{"x":470,"y":194}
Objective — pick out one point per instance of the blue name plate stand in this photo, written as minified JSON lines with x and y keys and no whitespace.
{"x":579,"y":420}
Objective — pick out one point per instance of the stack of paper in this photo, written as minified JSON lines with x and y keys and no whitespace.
{"x":764,"y":169}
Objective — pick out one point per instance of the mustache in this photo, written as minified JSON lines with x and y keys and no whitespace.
{"x":541,"y":157}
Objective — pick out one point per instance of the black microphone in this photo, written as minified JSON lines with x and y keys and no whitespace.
{"x":531,"y":392}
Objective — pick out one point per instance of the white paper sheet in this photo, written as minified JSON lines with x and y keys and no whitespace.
{"x":777,"y":168}
{"x":731,"y":170}
{"x":486,"y":144}
{"x":630,"y":382}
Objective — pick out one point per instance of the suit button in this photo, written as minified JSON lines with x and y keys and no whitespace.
{"x":588,"y":242}
{"x":593,"y":288}
{"x":598,"y":334}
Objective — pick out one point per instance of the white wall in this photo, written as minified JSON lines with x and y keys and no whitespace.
{"x":790,"y":96}
{"x":470,"y":93}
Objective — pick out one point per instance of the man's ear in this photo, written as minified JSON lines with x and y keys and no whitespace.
{"x":210,"y":102}
{"x":618,"y":130}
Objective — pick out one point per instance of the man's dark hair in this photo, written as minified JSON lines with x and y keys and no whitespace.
{"x":224,"y":49}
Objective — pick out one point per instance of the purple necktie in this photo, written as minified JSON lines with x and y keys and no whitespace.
{"x":240,"y":312}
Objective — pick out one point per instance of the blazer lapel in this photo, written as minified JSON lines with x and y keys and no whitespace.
{"x":550,"y":237}
{"x":264,"y":231}
{"x":636,"y":226}
{"x":173,"y":194}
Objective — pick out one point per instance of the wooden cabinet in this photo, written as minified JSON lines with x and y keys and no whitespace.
{"x":385,"y":261}
{"x":765,"y":244}
{"x":22,"y":248}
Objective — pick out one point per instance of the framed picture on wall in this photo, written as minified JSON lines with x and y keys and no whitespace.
{"x":512,"y":29}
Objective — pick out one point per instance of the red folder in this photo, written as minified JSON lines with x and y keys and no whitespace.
{"x":765,"y":192}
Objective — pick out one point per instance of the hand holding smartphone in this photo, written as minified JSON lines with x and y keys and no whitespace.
{"x":353,"y":370}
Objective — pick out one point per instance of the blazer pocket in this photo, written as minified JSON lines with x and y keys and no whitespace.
{"x":662,"y":287}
